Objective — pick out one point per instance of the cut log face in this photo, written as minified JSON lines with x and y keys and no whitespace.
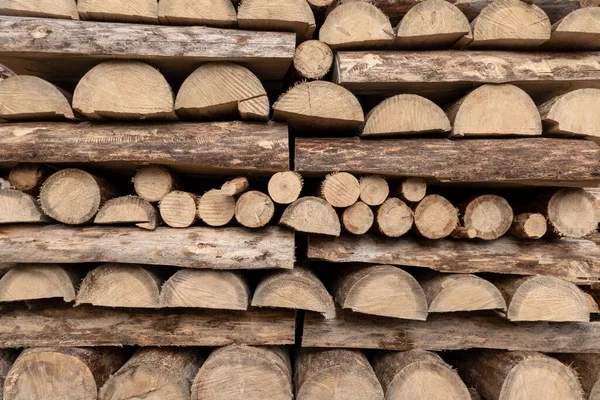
{"x":313,"y":215}
{"x":543,"y":298}
{"x":412,"y":190}
{"x":382,"y":290}
{"x":222,"y":90}
{"x":220,"y":13}
{"x":29,"y":282}
{"x":254,"y":209}
{"x":579,"y":30}
{"x":284,"y":15}
{"x":319,"y":104}
{"x":406,"y":114}
{"x":313,"y":59}
{"x":120,"y":285}
{"x":435,"y":217}
{"x":142,"y":11}
{"x":587,"y":367}
{"x":124,"y":90}
{"x":18,"y":207}
{"x":335,"y":374}
{"x":431,"y":24}
{"x":216,"y":208}
{"x":495,"y":110}
{"x":340,"y":189}
{"x":418,"y":374}
{"x":29,"y":98}
{"x":529,"y":226}
{"x":572,"y":213}
{"x":491,"y":216}
{"x":298,"y":289}
{"x":394,"y":218}
{"x":64,"y":9}
{"x":356,"y":25}
{"x":235,"y":186}
{"x":572,"y":114}
{"x":128,"y":210}
{"x":240,"y":372}
{"x":374,"y":189}
{"x":28,"y":177}
{"x":285,"y":187}
{"x":154,"y":182}
{"x":178,"y":209}
{"x":461,"y":292}
{"x":358,"y":218}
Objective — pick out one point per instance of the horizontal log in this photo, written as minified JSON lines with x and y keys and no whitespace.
{"x":449,"y":332}
{"x":526,"y":161}
{"x":200,"y":247}
{"x":97,"y":326}
{"x":212,"y":147}
{"x":571,"y":259}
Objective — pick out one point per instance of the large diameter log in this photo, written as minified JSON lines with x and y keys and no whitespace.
{"x":128,"y":210}
{"x":587,"y":368}
{"x":435,"y":217}
{"x":491,"y":216}
{"x":566,"y":114}
{"x":571,"y":212}
{"x":220,"y":13}
{"x":313,"y":59}
{"x":461,"y":292}
{"x":141,"y":11}
{"x":225,"y":248}
{"x":19,"y":207}
{"x":28,"y":177}
{"x":539,"y":161}
{"x":313,"y":215}
{"x":579,"y":30}
{"x":64,"y":9}
{"x":38,"y":281}
{"x":285,"y":15}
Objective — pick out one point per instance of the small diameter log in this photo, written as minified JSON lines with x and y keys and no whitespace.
{"x":335,"y":374}
{"x":64,"y":9}
{"x":298,"y":289}
{"x":217,"y":13}
{"x":313,"y":59}
{"x":587,"y":367}
{"x":381,"y":290}
{"x":491,"y":216}
{"x":38,"y":281}
{"x":73,"y":196}
{"x":120,"y":285}
{"x":509,"y":375}
{"x":254,"y":209}
{"x":4,"y":184}
{"x":152,"y":372}
{"x":222,"y":290}
{"x":235,"y":186}
{"x":154,"y":182}
{"x":463,"y":233}
{"x":142,"y":11}
{"x":394,"y":218}
{"x":418,"y":374}
{"x":570,"y":114}
{"x":128,"y":210}
{"x":216,"y":208}
{"x":61,"y":373}
{"x":570,"y":212}
{"x":284,"y":15}
{"x":543,"y":298}
{"x":412,"y":190}
{"x":358,"y":218}
{"x":178,"y":209}
{"x":435,"y":217}
{"x":529,"y":226}
{"x":374,"y":189}
{"x":28,"y":177}
{"x":340,"y":189}
{"x":313,"y":215}
{"x":285,"y":187}
{"x":18,"y":207}
{"x":240,"y":372}
{"x":579,"y":30}
{"x":461,"y":292}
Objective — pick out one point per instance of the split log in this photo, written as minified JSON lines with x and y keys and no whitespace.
{"x":356,"y":25}
{"x":285,"y":187}
{"x":494,"y":110}
{"x":358,"y":219}
{"x":313,"y":215}
{"x":216,"y":208}
{"x":153,"y":182}
{"x":222,"y":90}
{"x":572,"y":114}
{"x":412,"y":190}
{"x":163,"y":373}
{"x":418,"y":374}
{"x":29,"y":98}
{"x":394,"y":218}
{"x":286,"y":15}
{"x":513,"y":374}
{"x":587,"y":367}
{"x":461,"y":292}
{"x":36,"y":281}
{"x":543,"y":298}
{"x":254,"y":209}
{"x":340,"y":189}
{"x":405,"y":114}
{"x":374,"y":189}
{"x":220,"y":13}
{"x":120,"y":285}
{"x":298,"y":289}
{"x":571,"y":212}
{"x":28,"y":177}
{"x":529,"y":226}
{"x":335,"y":374}
{"x":239,"y":372}
{"x":131,"y":90}
{"x":579,"y":30}
{"x":140,"y":11}
{"x":18,"y":207}
{"x":313,"y":59}
{"x":178,"y":209}
{"x":223,"y":290}
{"x":61,"y":373}
{"x":128,"y":210}
{"x":381,"y":290}
{"x":319,"y":105}
{"x":235,"y":186}
{"x":491,"y":216}
{"x":431,"y":24}
{"x":65,"y":9}
{"x":435,"y":217}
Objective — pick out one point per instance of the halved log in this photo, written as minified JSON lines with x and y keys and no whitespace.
{"x":394,"y":218}
{"x":495,"y":110}
{"x":381,"y":290}
{"x":529,"y":226}
{"x":461,"y":292}
{"x":358,"y":218}
{"x":216,"y":208}
{"x":124,"y":90}
{"x":18,"y":207}
{"x":220,"y":13}
{"x":222,"y":290}
{"x":285,"y":187}
{"x":120,"y":285}
{"x":587,"y":367}
{"x":356,"y":25}
{"x":29,"y":98}
{"x":153,"y":182}
{"x":405,"y":114}
{"x":319,"y":105}
{"x":431,"y":24}
{"x":572,"y":114}
{"x":65,"y":9}
{"x":412,"y":190}
{"x":254,"y":209}
{"x":128,"y":210}
{"x":491,"y":216}
{"x":28,"y":177}
{"x":240,"y":372}
{"x":313,"y":59}
{"x":543,"y":298}
{"x":340,"y":189}
{"x":38,"y":281}
{"x":142,"y":11}
{"x":313,"y":215}
{"x":298,"y":289}
{"x":222,"y":90}
{"x":374,"y":189}
{"x":335,"y":374}
{"x":579,"y":30}
{"x":418,"y":374}
{"x":284,"y":15}
{"x":178,"y":209}
{"x":435,"y":217}
{"x":152,"y":372}
{"x":571,"y":212}
{"x":61,"y":373}
{"x":235,"y":186}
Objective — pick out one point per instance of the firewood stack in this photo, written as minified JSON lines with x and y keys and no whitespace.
{"x":309,"y":199}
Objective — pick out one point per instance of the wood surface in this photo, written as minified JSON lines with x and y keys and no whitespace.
{"x":18,"y":207}
{"x":490,"y":215}
{"x":565,"y":115}
{"x":219,"y":13}
{"x":313,"y":59}
{"x":579,"y":30}
{"x":529,"y":226}
{"x":136,"y":11}
{"x":39,"y":281}
{"x":461,"y":292}
{"x":313,"y":215}
{"x":216,"y":208}
{"x":285,"y":187}
{"x":340,"y":189}
{"x":28,"y":177}
{"x":283,"y":15}
{"x":236,"y":186}
{"x":178,"y":209}
{"x":128,"y":210}
{"x":587,"y":368}
{"x":358,"y":218}
{"x":64,"y":9}
{"x":394,"y":218}
{"x":254,"y":209}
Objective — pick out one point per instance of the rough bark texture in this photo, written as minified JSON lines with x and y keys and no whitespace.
{"x":587,"y":367}
{"x":28,"y":177}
